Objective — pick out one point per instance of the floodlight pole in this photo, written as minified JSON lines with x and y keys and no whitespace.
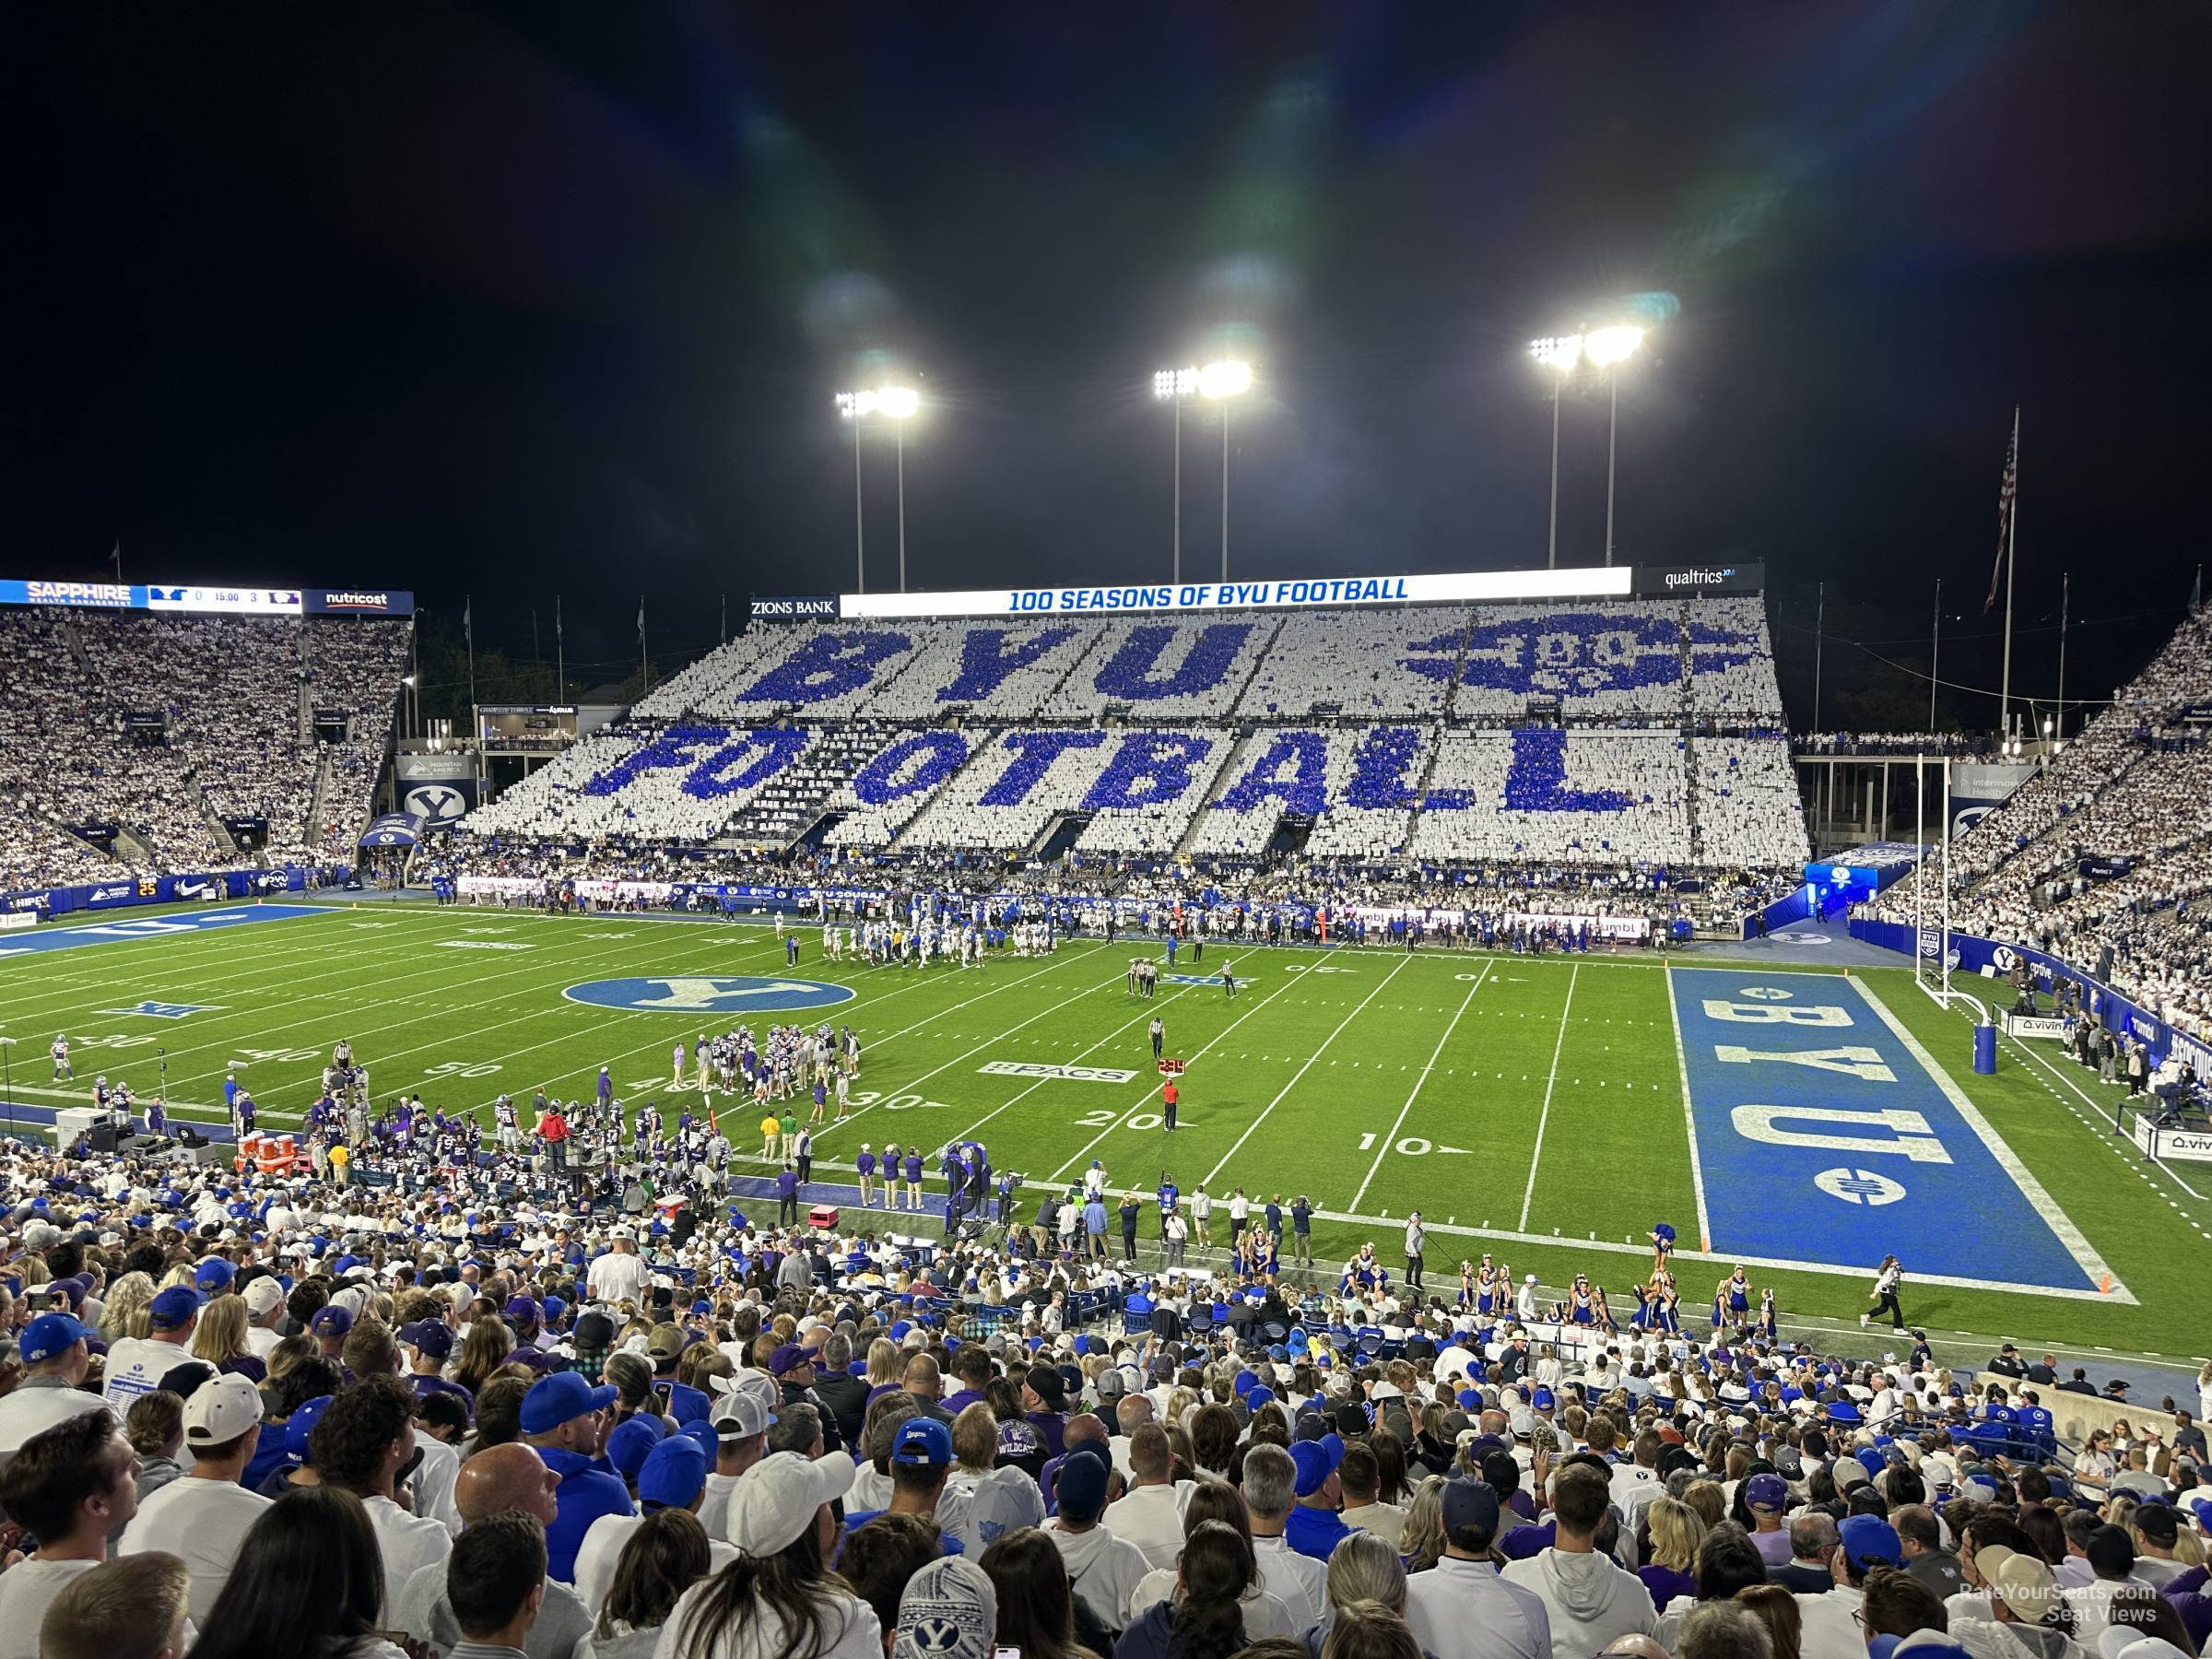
{"x":1612,"y":448}
{"x":1551,"y":553}
{"x":860,"y":534}
{"x":7,"y":1080}
{"x":1225,"y":492}
{"x":1175,"y":565}
{"x":899,"y":435}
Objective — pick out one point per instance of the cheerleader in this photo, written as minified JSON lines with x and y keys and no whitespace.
{"x":1581,"y":1303}
{"x":1663,"y":1244}
{"x":1466,"y":1287}
{"x":1601,"y":1313}
{"x":1486,"y":1289}
{"x":1667,"y":1303}
{"x":1720,"y":1303}
{"x":1739,"y":1291}
{"x":1770,"y":1318}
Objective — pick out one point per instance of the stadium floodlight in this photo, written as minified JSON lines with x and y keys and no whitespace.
{"x":1607,"y":346}
{"x":1558,"y":353}
{"x":897,"y":405}
{"x":1228,"y":377}
{"x":1217,"y":382}
{"x":1171,"y":387}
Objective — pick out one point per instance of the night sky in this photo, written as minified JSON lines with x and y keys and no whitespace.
{"x":518,"y":301}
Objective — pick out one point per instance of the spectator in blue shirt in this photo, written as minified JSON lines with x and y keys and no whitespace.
{"x":1314,"y":1528}
{"x":565,"y":1418}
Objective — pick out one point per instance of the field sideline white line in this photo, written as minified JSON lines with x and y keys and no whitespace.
{"x":1690,"y":1118}
{"x":1146,"y":1098}
{"x":1536,"y":1158}
{"x":1829,"y":1269}
{"x":2093,"y":1104}
{"x":1214,"y":1173}
{"x":1391,"y":1139}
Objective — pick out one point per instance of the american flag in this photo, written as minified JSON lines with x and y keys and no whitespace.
{"x":2004,"y":494}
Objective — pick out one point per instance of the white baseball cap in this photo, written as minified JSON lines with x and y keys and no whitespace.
{"x":740,"y":1415}
{"x":220,"y":1410}
{"x":775,"y":1500}
{"x":263,"y":1296}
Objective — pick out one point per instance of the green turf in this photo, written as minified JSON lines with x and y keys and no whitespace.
{"x":1498,"y":1094}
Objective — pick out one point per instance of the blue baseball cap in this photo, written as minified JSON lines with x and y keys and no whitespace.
{"x":1316,"y":1461}
{"x":559,"y":1398}
{"x":332,"y":1320}
{"x":50,"y":1336}
{"x":674,"y":1473}
{"x":213,"y":1276}
{"x":302,"y":1424}
{"x":1766,"y":1491}
{"x":631,"y":1443}
{"x":1868,"y":1541}
{"x":174,"y":1309}
{"x":923,"y":1442}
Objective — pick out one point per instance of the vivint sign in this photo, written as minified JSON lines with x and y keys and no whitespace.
{"x":1312,"y":594}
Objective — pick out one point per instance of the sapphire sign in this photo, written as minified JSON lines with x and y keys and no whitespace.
{"x":701,"y":993}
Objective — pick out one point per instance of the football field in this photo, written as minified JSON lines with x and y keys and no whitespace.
{"x":1548,"y":1110}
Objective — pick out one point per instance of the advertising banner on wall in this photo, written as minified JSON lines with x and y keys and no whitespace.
{"x":210,"y":601}
{"x":1687,"y":582}
{"x":1319,"y":593}
{"x":359,"y":602}
{"x":1979,"y":788}
{"x":789,"y":609}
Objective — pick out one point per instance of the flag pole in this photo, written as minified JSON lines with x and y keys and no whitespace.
{"x":644,"y":664}
{"x":2012,"y":541}
{"x":560,"y":655}
{"x":1935,"y":652}
{"x":468,"y":632}
{"x":1819,"y":638}
{"x":2065,"y":600}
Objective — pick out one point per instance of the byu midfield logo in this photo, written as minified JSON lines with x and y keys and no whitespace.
{"x":438,"y":805}
{"x":722,"y":994}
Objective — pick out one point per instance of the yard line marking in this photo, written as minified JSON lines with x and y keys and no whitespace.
{"x":1215,"y":1173}
{"x":354,"y":965}
{"x":1831,"y":1269}
{"x":2007,"y":1159}
{"x":1528,"y":1197}
{"x":1391,"y":1139}
{"x":1689,"y":1116}
{"x":1146,"y":1098}
{"x":1149,"y":1009}
{"x":965,"y":1055}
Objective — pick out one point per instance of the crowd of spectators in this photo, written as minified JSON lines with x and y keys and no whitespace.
{"x":261,"y":1416}
{"x":164,"y":725}
{"x":2105,"y":852}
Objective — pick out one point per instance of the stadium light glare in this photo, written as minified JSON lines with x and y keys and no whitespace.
{"x":1607,"y":346}
{"x":1560,"y":353}
{"x":896,"y":405}
{"x":1228,"y":377}
{"x":1175,"y":382}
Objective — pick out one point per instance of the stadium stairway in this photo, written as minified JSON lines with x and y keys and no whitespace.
{"x":1689,"y":791}
{"x":1232,"y":758}
{"x":1435,"y":736}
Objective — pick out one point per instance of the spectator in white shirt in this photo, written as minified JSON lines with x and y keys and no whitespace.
{"x":363,"y":1440}
{"x":1270,"y":1488}
{"x":619,"y":1275}
{"x":54,"y":1359}
{"x":1462,"y":1607}
{"x":1149,"y":1514}
{"x":1103,"y":1570}
{"x":264,"y":1311}
{"x":202,"y":1516}
{"x":1361,"y":1478}
{"x":122,"y":1609}
{"x":69,"y":1486}
{"x":1589,"y":1597}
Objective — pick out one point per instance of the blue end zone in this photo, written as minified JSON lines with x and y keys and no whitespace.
{"x":48,"y":938}
{"x":1823,"y":1140}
